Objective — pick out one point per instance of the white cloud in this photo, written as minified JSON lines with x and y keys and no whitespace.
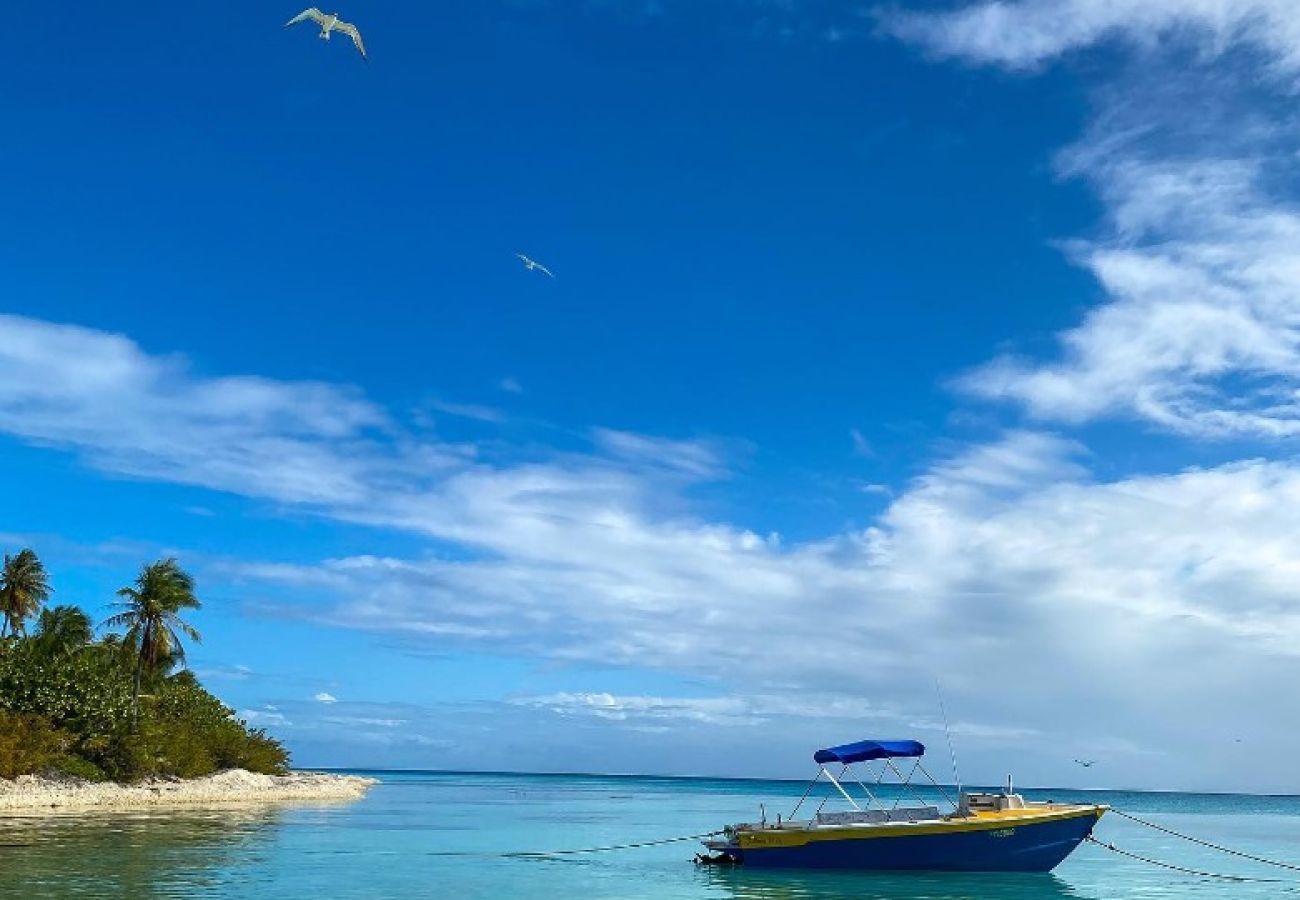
{"x":714,"y":711}
{"x":477,"y":412}
{"x":861,"y":446}
{"x":511,"y":386}
{"x":229,"y":673}
{"x":369,"y":721}
{"x":311,"y":443}
{"x":265,"y":717}
{"x":1200,"y":331}
{"x":154,"y":417}
{"x":692,"y":458}
{"x":1025,"y":33}
{"x":757,"y":710}
{"x":1008,"y":559}
{"x":323,"y":697}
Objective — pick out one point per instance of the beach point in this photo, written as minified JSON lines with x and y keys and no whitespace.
{"x":33,"y":793}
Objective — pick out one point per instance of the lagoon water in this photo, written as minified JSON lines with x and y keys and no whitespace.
{"x":427,"y":834}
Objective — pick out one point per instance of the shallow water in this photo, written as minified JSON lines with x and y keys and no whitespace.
{"x":402,"y":841}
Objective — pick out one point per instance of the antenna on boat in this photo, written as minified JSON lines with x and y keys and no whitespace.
{"x":947,"y":733}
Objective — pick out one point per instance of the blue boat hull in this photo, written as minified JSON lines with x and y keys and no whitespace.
{"x":1026,"y":847}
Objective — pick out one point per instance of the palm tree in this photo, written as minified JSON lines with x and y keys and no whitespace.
{"x":150,"y":613}
{"x":62,"y":630}
{"x":24,"y":587}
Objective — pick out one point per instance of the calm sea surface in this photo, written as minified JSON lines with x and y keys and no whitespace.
{"x":403,"y":841}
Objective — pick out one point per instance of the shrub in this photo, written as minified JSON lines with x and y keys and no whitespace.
{"x":28,"y":743}
{"x":238,"y":747}
{"x":72,"y":766}
{"x":72,"y":713}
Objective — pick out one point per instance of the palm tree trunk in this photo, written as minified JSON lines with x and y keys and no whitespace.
{"x":135,"y":694}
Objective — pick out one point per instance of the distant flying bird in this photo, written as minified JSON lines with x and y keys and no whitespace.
{"x":533,"y":265}
{"x":329,"y":22}
{"x":1086,"y":763}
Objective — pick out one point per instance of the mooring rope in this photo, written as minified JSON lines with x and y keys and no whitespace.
{"x":543,"y":854}
{"x":612,"y":847}
{"x":1203,"y":843}
{"x":1164,"y":865}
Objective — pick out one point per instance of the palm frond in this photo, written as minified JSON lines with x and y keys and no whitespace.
{"x":120,"y":620}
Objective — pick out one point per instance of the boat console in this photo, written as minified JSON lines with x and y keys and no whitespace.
{"x":973,"y":803}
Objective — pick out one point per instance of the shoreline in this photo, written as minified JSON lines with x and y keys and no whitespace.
{"x":32,"y":793}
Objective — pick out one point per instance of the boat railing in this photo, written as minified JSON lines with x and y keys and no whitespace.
{"x":879,"y":816}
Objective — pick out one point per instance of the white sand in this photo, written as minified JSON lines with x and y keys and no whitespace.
{"x":31,"y":792}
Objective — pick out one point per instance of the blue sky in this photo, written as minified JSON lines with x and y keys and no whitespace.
{"x":885,"y":344}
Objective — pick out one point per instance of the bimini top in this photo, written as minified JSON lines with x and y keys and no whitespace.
{"x":863,"y":751}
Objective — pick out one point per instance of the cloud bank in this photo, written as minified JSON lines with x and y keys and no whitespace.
{"x":1007,"y":563}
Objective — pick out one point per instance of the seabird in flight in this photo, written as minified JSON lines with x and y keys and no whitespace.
{"x":329,"y":22}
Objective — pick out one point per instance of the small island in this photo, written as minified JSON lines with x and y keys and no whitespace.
{"x":116,"y":720}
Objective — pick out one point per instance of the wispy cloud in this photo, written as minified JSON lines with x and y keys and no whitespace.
{"x":100,"y":394}
{"x":267,"y":716}
{"x":1200,"y":334}
{"x":754,"y":711}
{"x":696,"y":459}
{"x":473,"y":411}
{"x":1025,"y":33}
{"x":227,"y":673}
{"x":861,"y":446}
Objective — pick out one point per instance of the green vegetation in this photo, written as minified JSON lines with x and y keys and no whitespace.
{"x":116,"y":707}
{"x":23,"y":590}
{"x":150,"y":615}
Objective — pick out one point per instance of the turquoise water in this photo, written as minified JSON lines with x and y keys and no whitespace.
{"x":402,"y":841}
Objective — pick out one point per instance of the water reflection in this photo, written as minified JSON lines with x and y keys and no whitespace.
{"x":755,"y":884}
{"x":155,"y":854}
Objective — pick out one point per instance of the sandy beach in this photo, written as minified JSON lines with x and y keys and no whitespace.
{"x":30,"y":792}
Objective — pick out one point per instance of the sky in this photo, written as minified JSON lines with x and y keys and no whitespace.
{"x":890,"y":346}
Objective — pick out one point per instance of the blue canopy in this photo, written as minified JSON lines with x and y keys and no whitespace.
{"x":868,"y":750}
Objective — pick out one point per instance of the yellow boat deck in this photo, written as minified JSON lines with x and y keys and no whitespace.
{"x":796,"y":833}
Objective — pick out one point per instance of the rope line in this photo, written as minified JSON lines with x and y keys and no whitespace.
{"x":1164,"y":865}
{"x":542,"y":855}
{"x":635,"y":846}
{"x":1195,"y":840}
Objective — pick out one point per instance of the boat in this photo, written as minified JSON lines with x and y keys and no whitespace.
{"x":983,"y":832}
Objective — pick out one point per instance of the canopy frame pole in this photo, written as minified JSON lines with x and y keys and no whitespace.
{"x":839,"y":787}
{"x":872,"y":801}
{"x":906,"y":782}
{"x":939,"y":787}
{"x":806,"y":792}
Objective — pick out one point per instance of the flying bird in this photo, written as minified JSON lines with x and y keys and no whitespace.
{"x":330,"y":22}
{"x":1086,"y":763}
{"x":533,"y":265}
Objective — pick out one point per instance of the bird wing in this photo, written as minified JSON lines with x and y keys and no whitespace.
{"x":523,"y":258}
{"x":312,"y":13}
{"x":351,"y":31}
{"x":546,"y":270}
